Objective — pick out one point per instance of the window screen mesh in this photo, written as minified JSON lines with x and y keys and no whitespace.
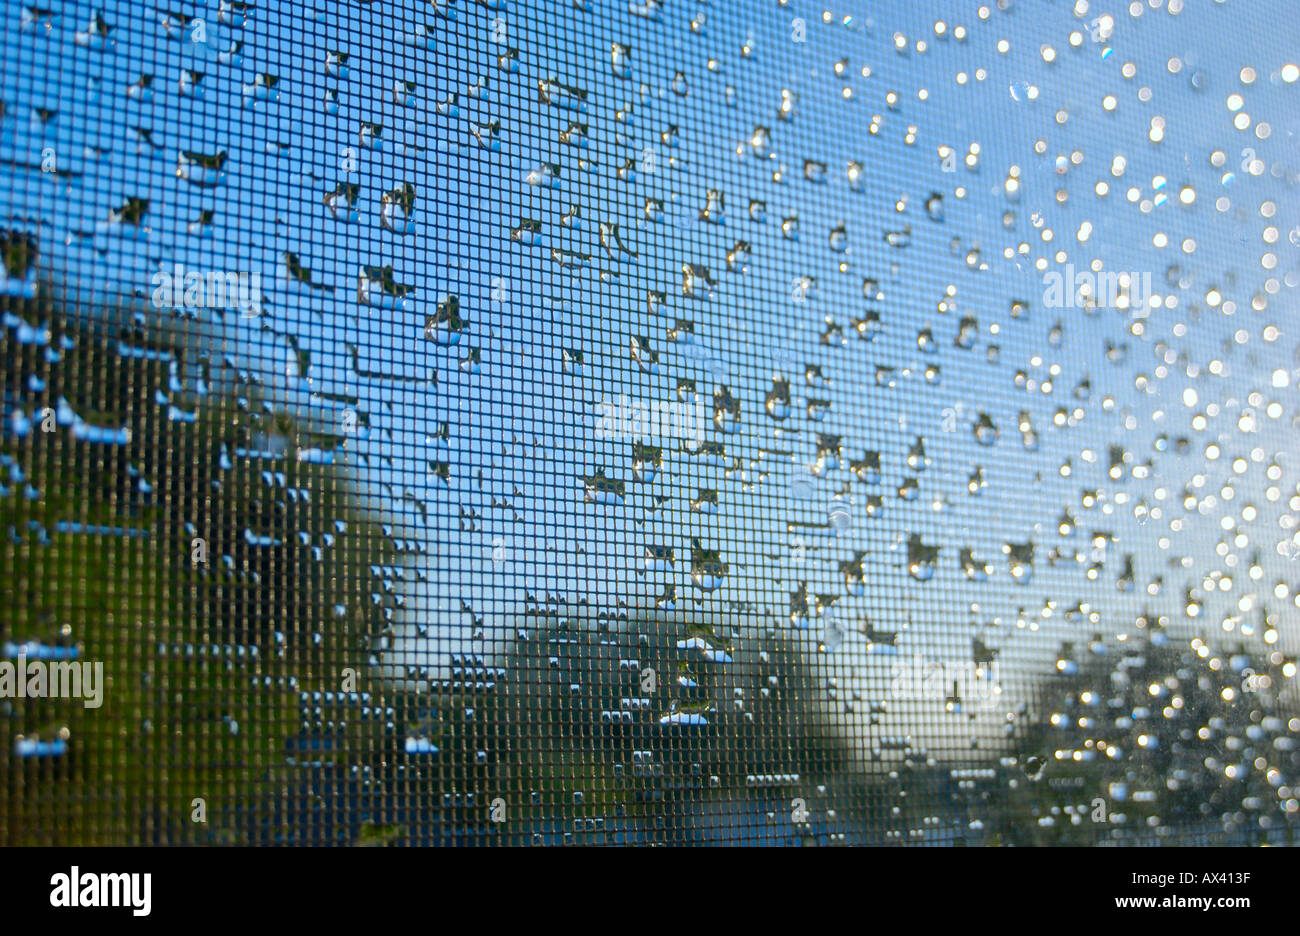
{"x":650,"y":422}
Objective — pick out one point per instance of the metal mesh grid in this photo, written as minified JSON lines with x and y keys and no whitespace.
{"x":648,"y":423}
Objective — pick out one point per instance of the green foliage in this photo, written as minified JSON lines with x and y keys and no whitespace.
{"x":203,"y":662}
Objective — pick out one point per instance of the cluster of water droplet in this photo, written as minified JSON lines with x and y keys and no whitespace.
{"x":898,"y":335}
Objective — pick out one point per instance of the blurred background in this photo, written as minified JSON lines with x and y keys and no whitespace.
{"x":651,"y":422}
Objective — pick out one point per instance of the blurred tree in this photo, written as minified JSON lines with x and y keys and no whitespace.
{"x":176,"y":537}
